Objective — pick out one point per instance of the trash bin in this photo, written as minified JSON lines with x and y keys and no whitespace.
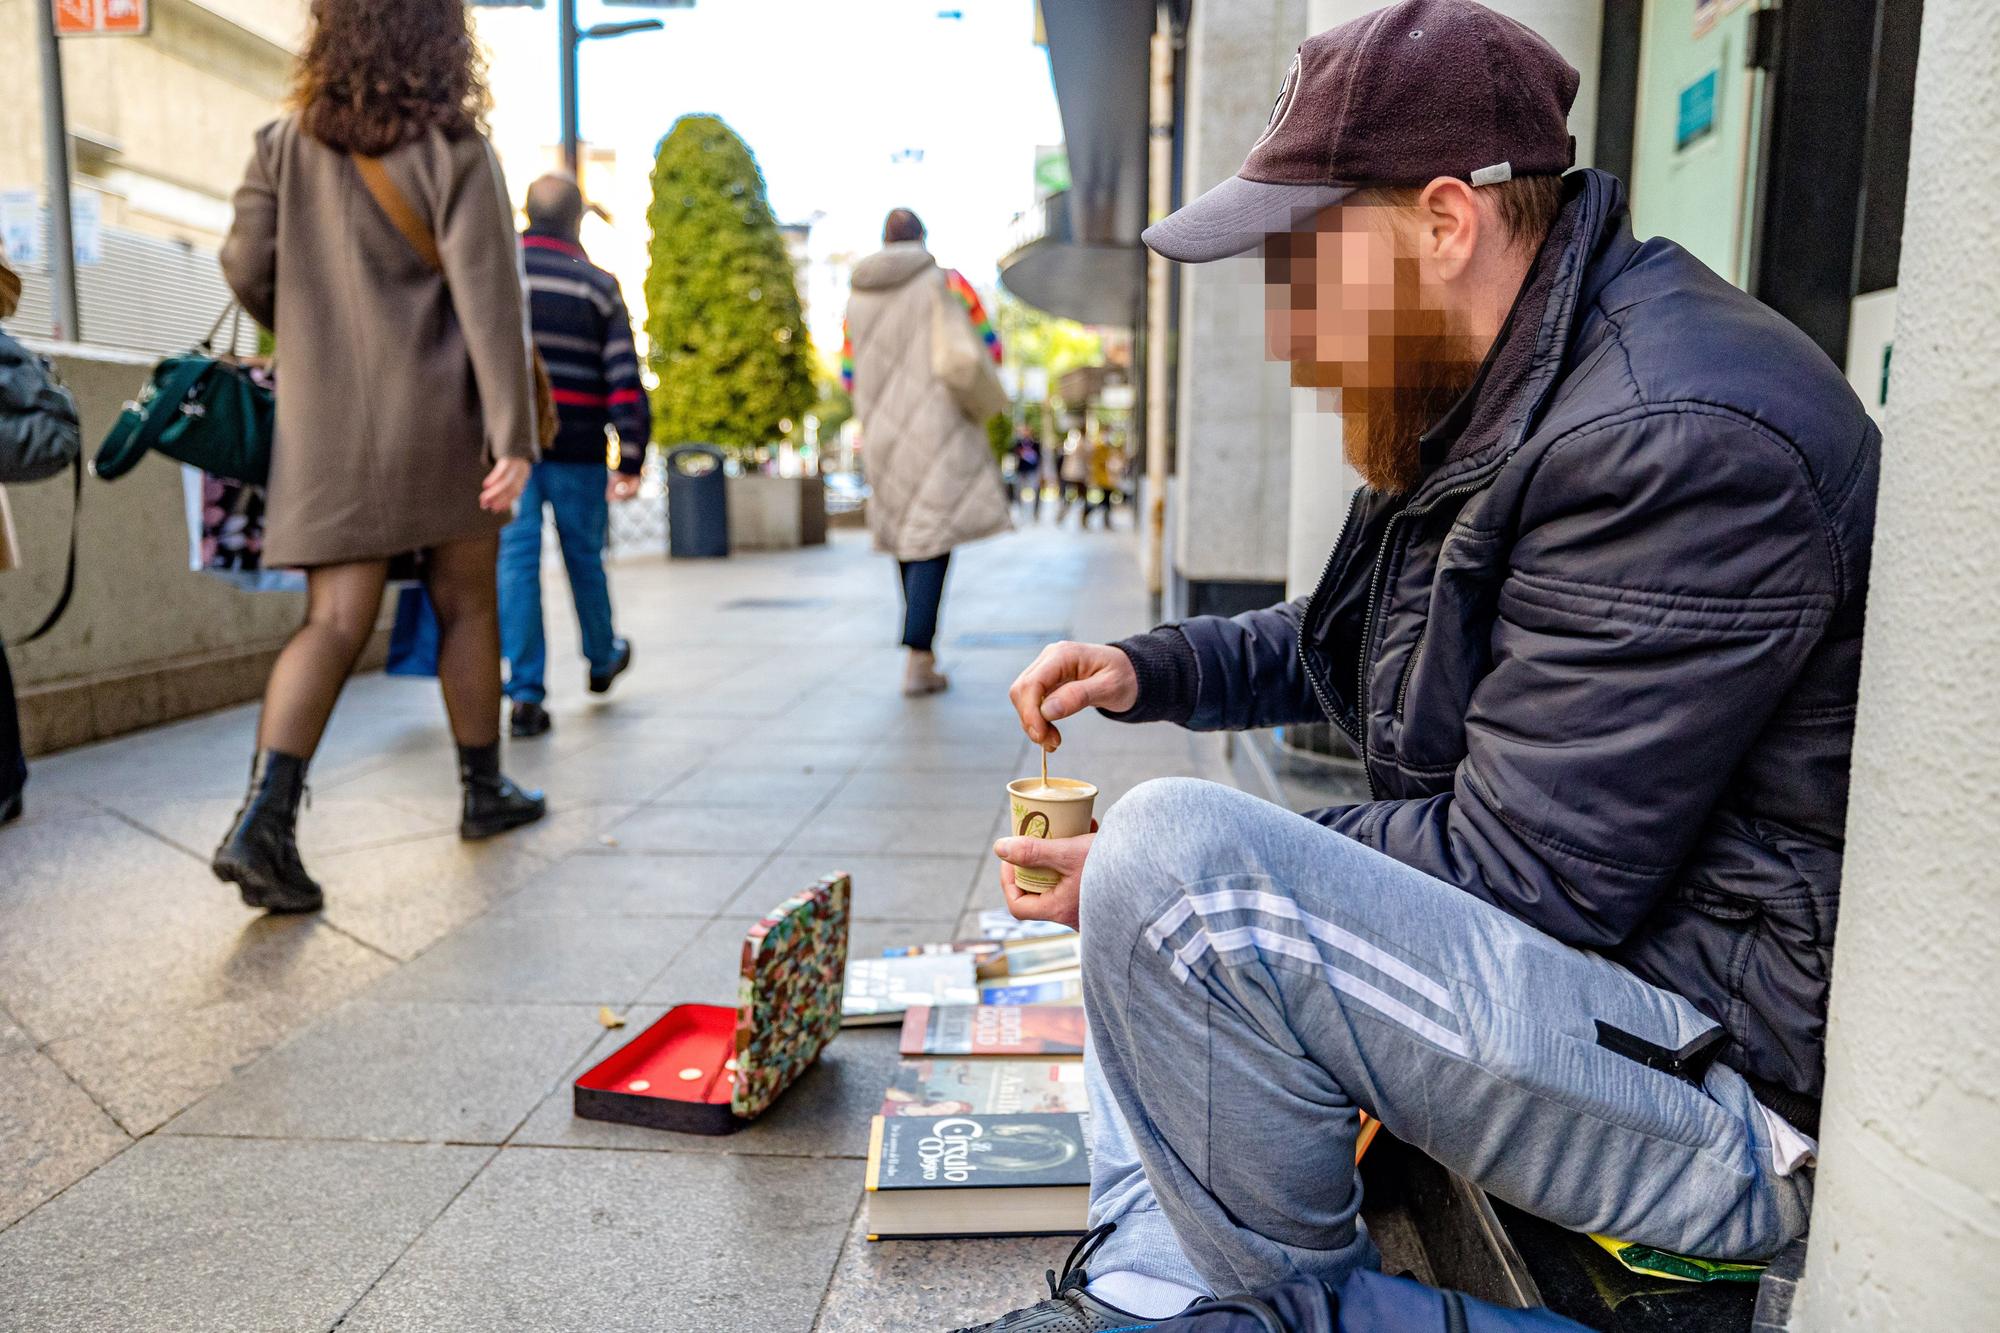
{"x":697,"y":503}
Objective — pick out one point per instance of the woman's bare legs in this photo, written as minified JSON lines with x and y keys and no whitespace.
{"x":260,"y":853}
{"x":464,"y":588}
{"x":342,"y":605}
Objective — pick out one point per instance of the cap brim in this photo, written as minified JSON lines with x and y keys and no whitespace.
{"x":1235,"y":217}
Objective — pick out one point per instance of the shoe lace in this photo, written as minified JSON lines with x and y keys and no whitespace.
{"x":1074,"y":1275}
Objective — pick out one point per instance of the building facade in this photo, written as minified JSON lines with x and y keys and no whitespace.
{"x":159,"y":130}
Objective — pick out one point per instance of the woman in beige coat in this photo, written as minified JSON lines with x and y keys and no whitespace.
{"x":933,"y":484}
{"x":405,"y":417}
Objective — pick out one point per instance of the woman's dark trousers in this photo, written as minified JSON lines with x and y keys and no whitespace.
{"x":13,"y":767}
{"x":923,"y":592}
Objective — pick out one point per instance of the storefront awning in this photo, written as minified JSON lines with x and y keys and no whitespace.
{"x":1082,"y":260}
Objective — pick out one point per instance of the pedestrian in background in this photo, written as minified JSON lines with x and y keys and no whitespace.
{"x":584,"y":334}
{"x":1074,"y":471}
{"x":37,"y":421}
{"x":1028,"y":471}
{"x":405,"y":418}
{"x":931,"y":472}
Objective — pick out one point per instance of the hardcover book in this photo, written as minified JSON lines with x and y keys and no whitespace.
{"x":988,"y":1029}
{"x":879,"y":990}
{"x":986,"y":1087}
{"x":1026,"y":958}
{"x":997,"y":923}
{"x":1047,"y":988}
{"x":978,"y":1175}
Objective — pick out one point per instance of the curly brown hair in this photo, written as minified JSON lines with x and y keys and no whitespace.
{"x":378,"y":73}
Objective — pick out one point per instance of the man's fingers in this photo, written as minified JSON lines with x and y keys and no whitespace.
{"x":1032,"y":852}
{"x":1068,"y":701}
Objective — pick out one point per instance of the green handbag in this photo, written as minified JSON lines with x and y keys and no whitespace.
{"x":205,"y":410}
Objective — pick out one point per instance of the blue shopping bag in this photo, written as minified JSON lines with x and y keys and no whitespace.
{"x":413,"y":643}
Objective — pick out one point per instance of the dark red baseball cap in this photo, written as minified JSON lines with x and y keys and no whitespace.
{"x":1418,"y":90}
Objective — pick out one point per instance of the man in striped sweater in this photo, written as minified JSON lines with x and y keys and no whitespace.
{"x":584,"y":335}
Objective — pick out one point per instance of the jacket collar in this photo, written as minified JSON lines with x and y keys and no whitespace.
{"x":548,"y":240}
{"x":1583,"y":253}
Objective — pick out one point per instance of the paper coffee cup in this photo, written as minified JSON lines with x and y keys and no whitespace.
{"x":1061,"y":809}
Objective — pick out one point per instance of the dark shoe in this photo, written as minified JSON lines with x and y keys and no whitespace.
{"x":1069,"y":1309}
{"x":621,"y":657}
{"x":493,"y":804}
{"x":528,"y":719}
{"x":261,"y":854}
{"x":10,"y":809}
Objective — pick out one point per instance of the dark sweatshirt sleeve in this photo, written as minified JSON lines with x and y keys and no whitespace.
{"x":1223,"y":673}
{"x":1164,"y":664}
{"x":630,"y":412}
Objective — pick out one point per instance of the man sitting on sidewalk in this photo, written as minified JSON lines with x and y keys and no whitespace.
{"x":1594,"y":625}
{"x":585,"y":337}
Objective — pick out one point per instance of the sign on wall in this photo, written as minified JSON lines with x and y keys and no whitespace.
{"x":86,"y":18}
{"x":1696,"y":114}
{"x":21,"y":227}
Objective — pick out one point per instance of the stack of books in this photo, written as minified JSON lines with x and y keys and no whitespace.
{"x":986,"y":1130}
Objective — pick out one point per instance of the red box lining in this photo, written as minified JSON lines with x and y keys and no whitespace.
{"x":690,"y":1036}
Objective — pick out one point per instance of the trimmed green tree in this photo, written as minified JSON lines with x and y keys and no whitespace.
{"x":727,"y":337}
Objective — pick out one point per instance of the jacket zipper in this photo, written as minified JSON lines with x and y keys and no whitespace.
{"x":1368,"y":622}
{"x":1312,"y":677}
{"x":1410,"y":668}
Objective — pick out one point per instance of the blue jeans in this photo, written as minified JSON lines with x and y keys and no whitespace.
{"x":1255,"y":981}
{"x":575,"y":492}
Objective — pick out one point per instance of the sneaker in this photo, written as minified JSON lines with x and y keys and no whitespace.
{"x":528,"y":719}
{"x":10,"y":809}
{"x":1069,"y":1308}
{"x":621,"y":658}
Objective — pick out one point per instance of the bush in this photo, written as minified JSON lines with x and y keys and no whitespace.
{"x":728,"y":340}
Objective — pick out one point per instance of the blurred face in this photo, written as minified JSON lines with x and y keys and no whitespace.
{"x":1363,"y":309}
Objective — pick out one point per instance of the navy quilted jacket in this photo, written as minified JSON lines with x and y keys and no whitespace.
{"x":1602,"y":661}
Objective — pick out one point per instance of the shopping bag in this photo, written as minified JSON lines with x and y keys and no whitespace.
{"x":413,"y":643}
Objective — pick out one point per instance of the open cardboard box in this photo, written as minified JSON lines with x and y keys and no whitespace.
{"x":709,"y":1069}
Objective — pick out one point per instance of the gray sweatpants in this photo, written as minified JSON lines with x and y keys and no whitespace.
{"x":1254,"y":981}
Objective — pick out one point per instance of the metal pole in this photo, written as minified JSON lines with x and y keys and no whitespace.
{"x":55,"y":149}
{"x":570,"y":40}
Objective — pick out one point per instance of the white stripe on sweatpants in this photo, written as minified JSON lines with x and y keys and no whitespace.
{"x":1256,"y":937}
{"x":1277,"y":905}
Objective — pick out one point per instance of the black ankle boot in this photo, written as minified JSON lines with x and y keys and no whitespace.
{"x":261,"y":854}
{"x":493,"y":804}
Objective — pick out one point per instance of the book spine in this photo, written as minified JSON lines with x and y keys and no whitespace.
{"x":875,"y":1153}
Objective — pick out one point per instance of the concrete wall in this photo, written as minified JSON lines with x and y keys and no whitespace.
{"x":1906,"y":1226}
{"x":145,"y":639}
{"x":1235,"y":411}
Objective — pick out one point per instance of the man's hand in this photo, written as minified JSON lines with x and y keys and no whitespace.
{"x":1068,"y":678}
{"x":504,"y":484}
{"x":1065,"y":856}
{"x":622,"y":486}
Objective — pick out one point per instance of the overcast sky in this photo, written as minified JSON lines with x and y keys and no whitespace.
{"x":837,"y":98}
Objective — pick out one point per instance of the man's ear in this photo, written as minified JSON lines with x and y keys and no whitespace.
{"x":1448,"y":226}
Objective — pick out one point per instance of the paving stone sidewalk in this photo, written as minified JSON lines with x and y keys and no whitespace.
{"x":211,"y":1120}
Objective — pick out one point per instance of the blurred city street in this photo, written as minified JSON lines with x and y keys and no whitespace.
{"x":211,"y":1119}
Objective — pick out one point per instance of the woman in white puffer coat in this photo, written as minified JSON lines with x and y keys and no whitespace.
{"x":932,"y":478}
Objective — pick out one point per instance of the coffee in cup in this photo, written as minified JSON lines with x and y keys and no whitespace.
{"x":1051,"y":808}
